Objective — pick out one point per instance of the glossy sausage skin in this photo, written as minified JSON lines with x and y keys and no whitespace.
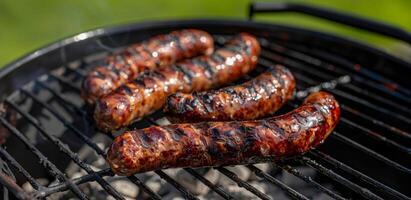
{"x":254,"y":99}
{"x":149,"y":91}
{"x":161,"y":50}
{"x":226,"y":143}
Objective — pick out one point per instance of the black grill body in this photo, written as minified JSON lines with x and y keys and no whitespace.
{"x":367,"y":156}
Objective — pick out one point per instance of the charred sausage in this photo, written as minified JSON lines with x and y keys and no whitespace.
{"x":226,"y":143}
{"x":149,"y":91}
{"x":160,"y":50}
{"x":254,"y":99}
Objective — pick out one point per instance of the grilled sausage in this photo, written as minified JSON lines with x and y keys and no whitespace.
{"x":149,"y":91}
{"x":254,"y":99}
{"x":226,"y":143}
{"x":161,"y":50}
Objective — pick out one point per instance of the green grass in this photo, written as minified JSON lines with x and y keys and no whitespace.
{"x":26,"y":25}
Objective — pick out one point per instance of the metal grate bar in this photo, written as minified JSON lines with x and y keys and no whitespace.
{"x":242,"y":183}
{"x":65,"y":103}
{"x":291,"y":192}
{"x":345,"y":95}
{"x":51,"y":168}
{"x":369,"y":132}
{"x":388,"y":127}
{"x":258,"y":172}
{"x":330,"y":68}
{"x":343,"y":106}
{"x":219,"y":190}
{"x":343,"y":181}
{"x":349,"y":65}
{"x":339,"y":165}
{"x":147,"y":190}
{"x":66,"y":150}
{"x":370,"y":152}
{"x":78,"y":71}
{"x":89,"y":177}
{"x":399,"y":132}
{"x":372,"y":106}
{"x":62,"y":186}
{"x":66,"y":123}
{"x":366,"y":150}
{"x":10,"y":185}
{"x":6,"y":156}
{"x":64,"y":82}
{"x":187,"y":194}
{"x":308,"y":179}
{"x":86,"y":139}
{"x":375,"y":135}
{"x":325,"y":76}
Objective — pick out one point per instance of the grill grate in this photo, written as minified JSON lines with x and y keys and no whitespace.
{"x":362,"y":93}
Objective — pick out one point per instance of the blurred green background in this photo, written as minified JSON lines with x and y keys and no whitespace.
{"x":26,"y":25}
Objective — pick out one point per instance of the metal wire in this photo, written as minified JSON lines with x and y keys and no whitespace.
{"x":329,"y":173}
{"x":282,"y":54}
{"x":9,"y":159}
{"x":339,"y":165}
{"x":66,"y":150}
{"x":291,"y":192}
{"x":52,"y":169}
{"x":83,"y":136}
{"x":241,"y":183}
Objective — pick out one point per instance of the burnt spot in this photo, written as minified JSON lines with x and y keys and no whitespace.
{"x":276,"y":129}
{"x":207,"y":98}
{"x":187,"y":74}
{"x":250,"y":141}
{"x":235,"y":49}
{"x":302,"y":120}
{"x":267,"y":87}
{"x":159,"y":76}
{"x":240,"y":47}
{"x":127,"y":90}
{"x":231,"y":92}
{"x":251,"y":92}
{"x":214,"y":151}
{"x":208,"y":108}
{"x":176,"y":40}
{"x":217,"y":58}
{"x":277,"y":74}
{"x":192,"y":36}
{"x":145,"y":140}
{"x":215,"y":133}
{"x":177,"y":134}
{"x":140,"y":82}
{"x":205,"y":65}
{"x":231,"y":147}
{"x":187,"y":105}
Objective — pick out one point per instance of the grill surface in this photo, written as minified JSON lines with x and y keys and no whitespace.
{"x":367,"y":156}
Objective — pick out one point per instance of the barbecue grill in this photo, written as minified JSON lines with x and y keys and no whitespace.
{"x":47,"y":125}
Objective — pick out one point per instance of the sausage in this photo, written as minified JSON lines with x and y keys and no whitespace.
{"x":161,"y":50}
{"x":226,"y":143}
{"x":149,"y":91}
{"x":254,"y":99}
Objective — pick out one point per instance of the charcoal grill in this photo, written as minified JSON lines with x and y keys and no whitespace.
{"x":367,"y":156}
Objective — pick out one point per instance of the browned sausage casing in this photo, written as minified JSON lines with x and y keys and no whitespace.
{"x":148,"y":92}
{"x":254,"y":99}
{"x":226,"y":143}
{"x":160,"y":50}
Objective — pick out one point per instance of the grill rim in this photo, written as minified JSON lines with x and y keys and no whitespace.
{"x":11,"y":70}
{"x":96,"y":51}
